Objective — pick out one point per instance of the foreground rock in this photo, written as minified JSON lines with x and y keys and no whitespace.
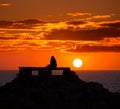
{"x":65,"y":91}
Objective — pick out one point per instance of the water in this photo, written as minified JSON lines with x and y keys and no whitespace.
{"x":109,"y":79}
{"x":7,"y":76}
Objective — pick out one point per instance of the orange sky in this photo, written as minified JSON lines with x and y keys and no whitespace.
{"x":31,"y":31}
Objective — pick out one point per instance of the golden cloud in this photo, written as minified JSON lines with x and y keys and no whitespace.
{"x":62,"y":45}
{"x":77,"y":35}
{"x":102,"y":16}
{"x":78,"y":14}
{"x":5,"y":4}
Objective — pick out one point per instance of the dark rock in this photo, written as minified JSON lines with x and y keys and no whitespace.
{"x":56,"y":92}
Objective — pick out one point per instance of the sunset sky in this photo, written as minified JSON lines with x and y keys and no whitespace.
{"x":31,"y":31}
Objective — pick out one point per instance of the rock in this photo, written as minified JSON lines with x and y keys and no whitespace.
{"x":56,"y":92}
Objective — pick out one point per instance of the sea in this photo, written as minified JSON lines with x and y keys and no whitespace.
{"x":109,"y":78}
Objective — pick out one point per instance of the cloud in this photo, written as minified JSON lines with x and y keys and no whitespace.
{"x":76,"y":22}
{"x":95,"y":34}
{"x":5,"y":4}
{"x":75,"y":14}
{"x":61,"y":45}
{"x":102,"y":16}
{"x":77,"y":35}
{"x":31,"y":21}
{"x":8,"y":38}
{"x":5,"y":24}
{"x":112,"y":24}
{"x":90,"y":16}
{"x":80,"y":46}
{"x":23,"y":24}
{"x":33,"y":29}
{"x":85,"y":30}
{"x":87,"y":48}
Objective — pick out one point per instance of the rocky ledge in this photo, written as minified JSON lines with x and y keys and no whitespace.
{"x":56,"y":92}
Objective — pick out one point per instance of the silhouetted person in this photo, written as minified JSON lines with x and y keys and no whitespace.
{"x":53,"y":63}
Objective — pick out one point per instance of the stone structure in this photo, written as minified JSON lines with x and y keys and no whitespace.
{"x":27,"y":73}
{"x":42,"y":71}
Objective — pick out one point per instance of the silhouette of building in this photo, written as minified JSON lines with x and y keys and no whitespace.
{"x":43,"y":71}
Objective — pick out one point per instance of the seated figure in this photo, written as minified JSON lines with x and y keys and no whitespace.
{"x":53,"y":63}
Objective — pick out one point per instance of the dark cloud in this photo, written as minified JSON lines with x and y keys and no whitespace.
{"x":5,"y":24}
{"x":8,"y":38}
{"x":87,"y":48}
{"x":112,"y":24}
{"x":23,"y":24}
{"x":95,"y":34}
{"x":56,"y":31}
{"x":31,"y":21}
{"x":76,"y":22}
{"x":64,"y":36}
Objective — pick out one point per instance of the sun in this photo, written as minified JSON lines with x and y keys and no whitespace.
{"x":77,"y":63}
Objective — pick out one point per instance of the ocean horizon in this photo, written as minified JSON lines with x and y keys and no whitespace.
{"x":109,"y":78}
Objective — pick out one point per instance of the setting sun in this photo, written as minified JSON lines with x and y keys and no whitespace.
{"x":77,"y":63}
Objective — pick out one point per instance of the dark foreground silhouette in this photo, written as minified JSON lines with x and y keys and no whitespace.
{"x":47,"y":91}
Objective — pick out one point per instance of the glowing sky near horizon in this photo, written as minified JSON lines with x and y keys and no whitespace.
{"x":33,"y":30}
